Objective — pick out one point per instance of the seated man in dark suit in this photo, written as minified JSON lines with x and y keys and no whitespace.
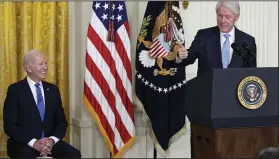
{"x":212,"y":46}
{"x":34,"y":118}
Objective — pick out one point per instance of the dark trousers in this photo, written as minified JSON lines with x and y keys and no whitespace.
{"x":60,"y":150}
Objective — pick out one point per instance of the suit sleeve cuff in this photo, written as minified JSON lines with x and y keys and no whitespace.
{"x":31,"y":143}
{"x":55,"y":139}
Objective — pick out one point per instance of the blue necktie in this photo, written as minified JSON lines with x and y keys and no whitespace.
{"x":40,"y":103}
{"x":226,"y":51}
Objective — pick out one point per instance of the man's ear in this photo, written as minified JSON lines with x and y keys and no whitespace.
{"x":237,"y":17}
{"x":28,"y":68}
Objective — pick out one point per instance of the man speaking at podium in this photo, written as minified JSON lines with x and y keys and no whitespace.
{"x":222,"y":46}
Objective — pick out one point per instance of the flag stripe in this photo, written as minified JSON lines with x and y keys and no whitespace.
{"x":102,"y":65}
{"x":154,"y":45}
{"x":158,"y":51}
{"x":113,"y":52}
{"x":96,"y":106}
{"x":111,"y":46}
{"x":108,"y":75}
{"x":96,"y":92}
{"x":110,"y":98}
{"x":127,"y":27}
{"x":122,"y":52}
{"x":126,"y":100}
{"x":105,"y":53}
{"x":162,"y":52}
{"x":93,"y":82}
{"x":125,"y":39}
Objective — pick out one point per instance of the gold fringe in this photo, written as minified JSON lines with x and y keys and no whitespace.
{"x":157,"y":146}
{"x":103,"y":132}
{"x":125,"y":147}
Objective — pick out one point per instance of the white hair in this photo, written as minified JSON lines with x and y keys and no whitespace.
{"x":232,"y":5}
{"x":28,"y":57}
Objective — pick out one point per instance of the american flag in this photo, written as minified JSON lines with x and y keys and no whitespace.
{"x":108,"y":75}
{"x":159,"y":48}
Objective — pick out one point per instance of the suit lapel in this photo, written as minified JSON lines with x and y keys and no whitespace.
{"x":46,"y":93}
{"x":217,"y":46}
{"x":29,"y":97}
{"x":234,"y":55}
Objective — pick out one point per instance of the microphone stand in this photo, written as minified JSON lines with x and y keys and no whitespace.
{"x":244,"y":55}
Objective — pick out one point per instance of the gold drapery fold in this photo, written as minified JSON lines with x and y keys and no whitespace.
{"x":33,"y":25}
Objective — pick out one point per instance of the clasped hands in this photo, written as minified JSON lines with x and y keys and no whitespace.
{"x":44,"y":146}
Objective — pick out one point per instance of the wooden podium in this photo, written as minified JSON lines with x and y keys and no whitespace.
{"x":221,"y":127}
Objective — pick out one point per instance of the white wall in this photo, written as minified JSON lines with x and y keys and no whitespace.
{"x":258,"y":18}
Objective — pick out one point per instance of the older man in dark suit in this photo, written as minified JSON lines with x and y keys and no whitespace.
{"x":34,"y":118}
{"x":212,"y":46}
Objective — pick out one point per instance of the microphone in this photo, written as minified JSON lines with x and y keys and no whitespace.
{"x":244,"y":51}
{"x":249,"y":50}
{"x":239,"y":49}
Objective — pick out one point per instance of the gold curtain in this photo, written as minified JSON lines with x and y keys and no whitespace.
{"x":33,"y":25}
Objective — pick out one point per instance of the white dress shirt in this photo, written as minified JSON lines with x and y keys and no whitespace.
{"x":231,"y":38}
{"x":34,"y":92}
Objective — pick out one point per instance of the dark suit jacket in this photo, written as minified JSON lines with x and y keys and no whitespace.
{"x":22,"y":121}
{"x":207,"y":48}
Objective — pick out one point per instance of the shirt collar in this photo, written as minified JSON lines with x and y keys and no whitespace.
{"x":232,"y":32}
{"x":32,"y":83}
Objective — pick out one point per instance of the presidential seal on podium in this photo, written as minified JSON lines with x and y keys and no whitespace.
{"x":252,"y":92}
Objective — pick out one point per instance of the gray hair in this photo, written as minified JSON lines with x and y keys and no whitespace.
{"x":28,"y":57}
{"x":269,"y":153}
{"x":232,"y":5}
